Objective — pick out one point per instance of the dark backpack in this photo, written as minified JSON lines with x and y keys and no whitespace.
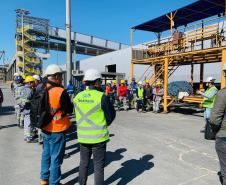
{"x":40,"y":109}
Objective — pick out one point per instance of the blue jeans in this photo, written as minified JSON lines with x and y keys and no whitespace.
{"x":52,"y":156}
{"x":207,"y":113}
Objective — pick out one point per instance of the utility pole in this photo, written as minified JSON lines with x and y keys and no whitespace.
{"x":68,"y":40}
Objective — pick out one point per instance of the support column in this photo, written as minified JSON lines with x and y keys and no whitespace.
{"x":201,"y":76}
{"x":68,"y":40}
{"x":223,"y":78}
{"x":131,"y":70}
{"x":166,"y":63}
{"x":192,"y":74}
{"x":131,"y":49}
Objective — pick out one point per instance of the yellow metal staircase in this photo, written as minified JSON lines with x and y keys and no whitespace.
{"x":160,"y":72}
{"x":31,"y":62}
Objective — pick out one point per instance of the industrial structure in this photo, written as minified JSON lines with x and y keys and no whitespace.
{"x":189,"y":43}
{"x":35,"y":38}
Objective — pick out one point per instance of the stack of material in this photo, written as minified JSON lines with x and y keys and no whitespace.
{"x":179,"y":86}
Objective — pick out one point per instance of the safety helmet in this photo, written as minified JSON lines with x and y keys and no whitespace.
{"x":210,"y":79}
{"x":37,"y":77}
{"x":53,"y":69}
{"x":146,"y":81}
{"x":122,"y":81}
{"x":29,"y":79}
{"x":15,"y":74}
{"x":133,"y":79}
{"x":140,"y":82}
{"x":92,"y":75}
{"x":113,"y":81}
{"x":19,"y":79}
{"x":158,"y":83}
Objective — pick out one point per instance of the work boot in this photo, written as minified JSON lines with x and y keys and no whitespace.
{"x":44,"y":182}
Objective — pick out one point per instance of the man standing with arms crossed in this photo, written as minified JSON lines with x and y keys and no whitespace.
{"x":94,"y":113}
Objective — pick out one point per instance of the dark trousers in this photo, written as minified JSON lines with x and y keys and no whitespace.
{"x":140,"y":104}
{"x":220,"y":146}
{"x":99,"y":152}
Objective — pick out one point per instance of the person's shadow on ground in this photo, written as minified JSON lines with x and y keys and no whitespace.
{"x":130,"y":170}
{"x":7,"y":110}
{"x":110,"y":157}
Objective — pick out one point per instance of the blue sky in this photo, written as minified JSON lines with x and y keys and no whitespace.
{"x":110,"y":19}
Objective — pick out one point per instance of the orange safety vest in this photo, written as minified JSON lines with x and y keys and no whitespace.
{"x":59,"y":123}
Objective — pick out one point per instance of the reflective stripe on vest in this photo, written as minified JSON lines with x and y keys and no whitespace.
{"x":59,"y":123}
{"x":91,"y":122}
{"x":208,"y":102}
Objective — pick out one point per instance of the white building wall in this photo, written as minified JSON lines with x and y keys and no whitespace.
{"x":121,"y":58}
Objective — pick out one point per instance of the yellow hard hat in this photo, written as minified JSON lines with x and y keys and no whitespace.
{"x":29,"y":79}
{"x":158,"y":83}
{"x":146,"y":81}
{"x":113,"y":81}
{"x":122,"y":81}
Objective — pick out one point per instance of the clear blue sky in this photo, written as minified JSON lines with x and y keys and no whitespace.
{"x":110,"y":19}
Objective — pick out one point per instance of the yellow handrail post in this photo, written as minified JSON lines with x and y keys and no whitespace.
{"x":223,"y":62}
{"x":201,"y":76}
{"x":165,"y":85}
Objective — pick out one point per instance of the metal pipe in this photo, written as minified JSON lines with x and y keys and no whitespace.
{"x":68,"y":40}
{"x":131,"y":48}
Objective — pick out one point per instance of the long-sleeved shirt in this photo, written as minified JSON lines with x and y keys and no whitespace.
{"x":218,"y":119}
{"x":210,"y":95}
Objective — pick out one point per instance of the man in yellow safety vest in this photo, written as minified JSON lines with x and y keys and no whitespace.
{"x":94,"y":113}
{"x":209,"y":98}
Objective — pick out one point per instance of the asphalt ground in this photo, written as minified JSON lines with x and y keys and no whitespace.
{"x":145,"y":149}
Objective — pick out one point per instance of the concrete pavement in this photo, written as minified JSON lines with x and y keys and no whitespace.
{"x":145,"y":149}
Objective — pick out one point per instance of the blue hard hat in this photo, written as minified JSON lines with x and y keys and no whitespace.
{"x":19,"y":78}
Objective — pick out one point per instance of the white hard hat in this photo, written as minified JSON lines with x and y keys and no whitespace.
{"x":53,"y":69}
{"x":140,"y":82}
{"x":16,"y":74}
{"x":210,"y":79}
{"x":37,"y":77}
{"x":91,"y":75}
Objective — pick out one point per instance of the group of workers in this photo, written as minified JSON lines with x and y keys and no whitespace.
{"x":141,"y":96}
{"x":23,"y":88}
{"x":94,"y":112}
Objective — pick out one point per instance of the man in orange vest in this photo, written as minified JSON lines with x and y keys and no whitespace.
{"x":54,"y":133}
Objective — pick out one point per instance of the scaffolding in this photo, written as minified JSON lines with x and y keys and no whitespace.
{"x":28,"y":31}
{"x":197,"y":36}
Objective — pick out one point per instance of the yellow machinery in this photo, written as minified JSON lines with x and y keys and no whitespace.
{"x":188,"y":44}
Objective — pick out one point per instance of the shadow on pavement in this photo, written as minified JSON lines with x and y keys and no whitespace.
{"x":130,"y":170}
{"x":110,"y":157}
{"x":187,"y":111}
{"x":6,"y":110}
{"x":7,"y":126}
